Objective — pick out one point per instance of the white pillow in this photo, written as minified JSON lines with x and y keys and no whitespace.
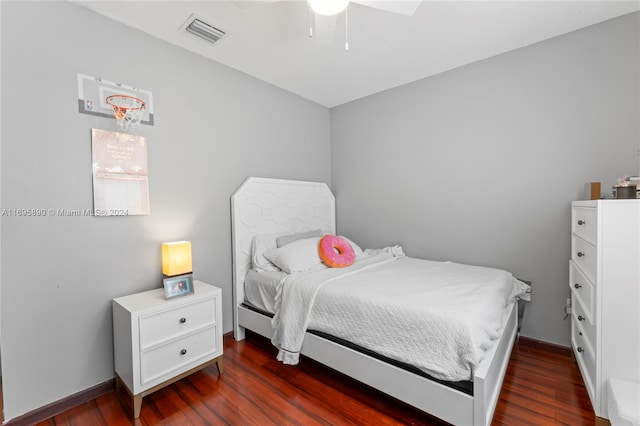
{"x":260,"y":245}
{"x":356,"y":248}
{"x":287,"y":239}
{"x":297,"y":256}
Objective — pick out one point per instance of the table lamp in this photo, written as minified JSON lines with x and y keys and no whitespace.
{"x":176,"y":258}
{"x":177,"y":269}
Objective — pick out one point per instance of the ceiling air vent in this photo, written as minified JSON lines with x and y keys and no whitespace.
{"x":202,"y":29}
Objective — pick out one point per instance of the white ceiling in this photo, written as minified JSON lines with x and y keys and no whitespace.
{"x":270,"y":40}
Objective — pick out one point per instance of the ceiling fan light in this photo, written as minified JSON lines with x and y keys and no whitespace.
{"x":328,"y":7}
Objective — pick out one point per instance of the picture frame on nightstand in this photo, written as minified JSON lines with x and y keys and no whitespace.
{"x":178,"y":286}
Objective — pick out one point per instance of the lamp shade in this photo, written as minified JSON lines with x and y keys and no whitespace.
{"x":328,"y":7}
{"x":176,"y":258}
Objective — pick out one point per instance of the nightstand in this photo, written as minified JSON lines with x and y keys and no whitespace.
{"x":158,"y":341}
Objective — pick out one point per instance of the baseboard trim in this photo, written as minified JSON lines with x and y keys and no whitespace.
{"x":47,"y":411}
{"x":546,"y":346}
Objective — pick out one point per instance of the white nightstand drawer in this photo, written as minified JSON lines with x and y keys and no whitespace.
{"x":584,"y":223}
{"x":167,"y":360}
{"x":583,"y":290}
{"x":584,"y":255}
{"x":164,"y":326}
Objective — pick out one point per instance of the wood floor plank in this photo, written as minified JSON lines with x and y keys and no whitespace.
{"x":323,"y":392}
{"x":540,"y":388}
{"x":84,"y":414}
{"x":112,"y":411}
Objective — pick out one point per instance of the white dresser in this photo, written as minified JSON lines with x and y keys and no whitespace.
{"x":158,"y":341}
{"x":604,"y":277}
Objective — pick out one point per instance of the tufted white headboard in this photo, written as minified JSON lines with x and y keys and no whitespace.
{"x":265,"y":206}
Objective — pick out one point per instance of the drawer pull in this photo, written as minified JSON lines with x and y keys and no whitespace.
{"x":183,"y":352}
{"x":580,"y":254}
{"x":576,"y":285}
{"x":580,"y":318}
{"x":183,"y":320}
{"x":580,"y":349}
{"x":581,"y":222}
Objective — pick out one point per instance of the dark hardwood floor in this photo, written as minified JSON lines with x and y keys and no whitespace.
{"x":542,"y":387}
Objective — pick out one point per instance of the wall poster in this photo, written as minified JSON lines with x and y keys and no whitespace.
{"x":120,"y":174}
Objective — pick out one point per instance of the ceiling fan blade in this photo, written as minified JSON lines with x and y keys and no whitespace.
{"x":325,"y":28}
{"x":244,"y":4}
{"x":403,"y":7}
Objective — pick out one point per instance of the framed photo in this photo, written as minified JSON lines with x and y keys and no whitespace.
{"x":180,"y":285}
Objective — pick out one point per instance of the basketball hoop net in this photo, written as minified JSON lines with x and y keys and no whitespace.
{"x":127,"y":110}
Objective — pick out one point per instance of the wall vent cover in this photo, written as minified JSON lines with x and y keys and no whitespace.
{"x":200,"y":28}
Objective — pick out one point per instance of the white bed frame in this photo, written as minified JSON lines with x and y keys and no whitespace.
{"x":261,"y":206}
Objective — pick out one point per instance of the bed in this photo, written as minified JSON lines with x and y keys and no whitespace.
{"x":263,"y":206}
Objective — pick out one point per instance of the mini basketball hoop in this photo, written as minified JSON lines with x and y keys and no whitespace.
{"x":127,"y":110}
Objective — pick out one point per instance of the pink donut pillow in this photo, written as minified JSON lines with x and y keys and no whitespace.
{"x":336,"y":252}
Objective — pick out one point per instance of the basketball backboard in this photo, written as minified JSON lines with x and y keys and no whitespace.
{"x":93,"y":92}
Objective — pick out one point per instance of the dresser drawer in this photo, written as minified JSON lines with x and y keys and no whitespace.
{"x":588,"y":330}
{"x":583,"y":291}
{"x":164,"y":326}
{"x":177,"y":356}
{"x":584,"y":223}
{"x":584,"y":256}
{"x":586,"y":358}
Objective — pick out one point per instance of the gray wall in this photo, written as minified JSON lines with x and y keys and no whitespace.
{"x":479,"y":165}
{"x":214,"y":127}
{"x":476,"y":165}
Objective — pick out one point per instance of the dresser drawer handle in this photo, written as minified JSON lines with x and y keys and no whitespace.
{"x":183,"y":320}
{"x":580,"y":349}
{"x":580,"y":318}
{"x":578,"y":286}
{"x":581,"y":222}
{"x":183,"y":352}
{"x":580,"y":254}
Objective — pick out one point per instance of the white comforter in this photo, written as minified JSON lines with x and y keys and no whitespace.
{"x":438,"y":316}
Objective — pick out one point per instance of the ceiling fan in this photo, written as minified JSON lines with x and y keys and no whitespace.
{"x":326,"y":12}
